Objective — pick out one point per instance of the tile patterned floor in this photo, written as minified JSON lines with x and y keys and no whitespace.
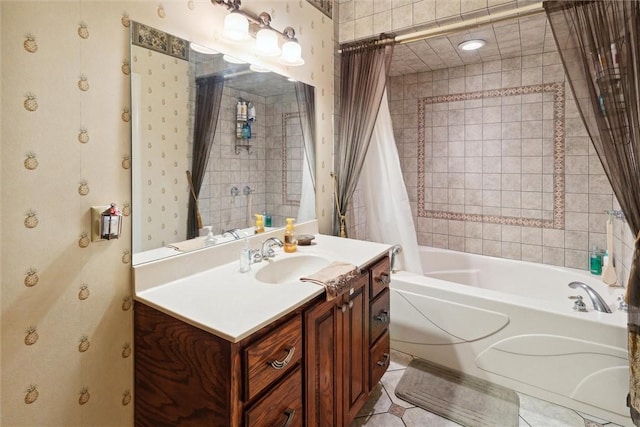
{"x":384,"y":409}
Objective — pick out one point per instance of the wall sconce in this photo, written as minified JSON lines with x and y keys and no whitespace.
{"x":240,"y":26}
{"x":106,"y":223}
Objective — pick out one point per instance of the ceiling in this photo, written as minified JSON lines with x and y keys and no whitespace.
{"x":517,"y":37}
{"x":238,"y":76}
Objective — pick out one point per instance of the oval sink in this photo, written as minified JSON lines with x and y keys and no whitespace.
{"x":287,"y":270}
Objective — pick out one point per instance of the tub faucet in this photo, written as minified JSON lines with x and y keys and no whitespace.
{"x":395,"y":250}
{"x":598,"y":303}
{"x":233,"y":232}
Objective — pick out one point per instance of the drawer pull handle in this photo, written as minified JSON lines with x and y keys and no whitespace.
{"x":383,"y":316}
{"x":290,"y":413}
{"x":350,"y":304}
{"x":279,"y":364}
{"x":384,"y":361}
{"x":383,"y":278}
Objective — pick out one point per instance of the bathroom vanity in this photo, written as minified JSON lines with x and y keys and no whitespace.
{"x":263,"y":354}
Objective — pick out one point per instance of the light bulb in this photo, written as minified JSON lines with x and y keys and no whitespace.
{"x":236,"y":27}
{"x":292,"y":53}
{"x":267,"y":43}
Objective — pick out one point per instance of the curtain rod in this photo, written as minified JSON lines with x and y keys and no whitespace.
{"x":520,"y":12}
{"x":382,"y":40}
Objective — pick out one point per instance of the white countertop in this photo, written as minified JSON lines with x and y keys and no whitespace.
{"x":233,"y":305}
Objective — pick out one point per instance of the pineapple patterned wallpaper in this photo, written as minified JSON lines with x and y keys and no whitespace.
{"x":164,"y":139}
{"x":66,"y":319}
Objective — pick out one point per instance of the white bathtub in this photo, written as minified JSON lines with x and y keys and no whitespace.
{"x":513,"y":323}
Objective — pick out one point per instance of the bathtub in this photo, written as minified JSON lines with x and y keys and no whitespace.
{"x":513,"y":323}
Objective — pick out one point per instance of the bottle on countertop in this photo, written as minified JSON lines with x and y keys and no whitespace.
{"x":259,"y":224}
{"x":245,"y":257}
{"x":210,"y":240}
{"x":267,"y":219}
{"x":290,"y":242}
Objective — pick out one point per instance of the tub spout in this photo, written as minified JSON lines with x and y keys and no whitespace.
{"x":395,"y":250}
{"x":598,"y":303}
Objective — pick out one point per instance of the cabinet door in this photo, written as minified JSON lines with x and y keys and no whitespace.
{"x":323,"y":364}
{"x":355,"y":348}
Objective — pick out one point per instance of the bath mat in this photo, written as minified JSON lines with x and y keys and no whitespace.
{"x":459,"y":397}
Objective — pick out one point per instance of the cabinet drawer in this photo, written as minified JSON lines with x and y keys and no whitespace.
{"x":379,"y":316}
{"x":379,"y":359}
{"x":282,"y":406}
{"x":272,"y":357}
{"x":380,"y":277}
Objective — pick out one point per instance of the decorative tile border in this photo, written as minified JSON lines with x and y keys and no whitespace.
{"x":151,"y":38}
{"x":558,"y":157}
{"x":324,"y":6}
{"x":285,"y":199}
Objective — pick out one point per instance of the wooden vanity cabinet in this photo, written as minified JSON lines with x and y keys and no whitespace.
{"x":342,"y":362}
{"x":185,"y":376}
{"x":315,"y":366}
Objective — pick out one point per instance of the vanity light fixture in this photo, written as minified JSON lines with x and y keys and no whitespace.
{"x":236,"y":26}
{"x":472,"y":44}
{"x":291,"y":50}
{"x":266,"y":37}
{"x":258,"y":35}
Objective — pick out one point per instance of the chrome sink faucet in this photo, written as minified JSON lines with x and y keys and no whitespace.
{"x":267,"y":247}
{"x":598,"y":303}
{"x":233,"y":232}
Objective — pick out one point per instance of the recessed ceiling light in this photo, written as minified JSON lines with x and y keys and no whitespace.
{"x":472,"y":44}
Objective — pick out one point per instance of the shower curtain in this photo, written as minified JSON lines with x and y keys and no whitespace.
{"x":599,"y":43}
{"x":208,"y":98}
{"x":388,"y":212}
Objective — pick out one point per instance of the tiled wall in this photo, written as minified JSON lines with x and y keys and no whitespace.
{"x":262,"y":168}
{"x":279,"y":107}
{"x":360,"y":19}
{"x":490,"y":157}
{"x":587,"y":192}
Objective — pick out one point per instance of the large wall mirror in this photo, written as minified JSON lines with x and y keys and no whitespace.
{"x":259,"y":158}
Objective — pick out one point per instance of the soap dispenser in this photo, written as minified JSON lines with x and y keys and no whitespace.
{"x":245,"y":257}
{"x":259,"y":223}
{"x":290,"y":242}
{"x":210,"y":240}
